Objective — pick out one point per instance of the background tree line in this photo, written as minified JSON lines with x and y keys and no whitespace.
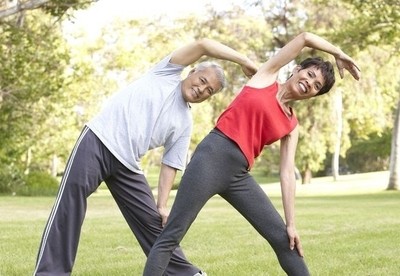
{"x":52,"y":83}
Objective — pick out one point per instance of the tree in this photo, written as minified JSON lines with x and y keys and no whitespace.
{"x":32,"y":66}
{"x":340,"y":22}
{"x":54,"y":7}
{"x":370,"y":22}
{"x":377,"y":23}
{"x":338,"y":110}
{"x":394,"y":177}
{"x":34,"y":59}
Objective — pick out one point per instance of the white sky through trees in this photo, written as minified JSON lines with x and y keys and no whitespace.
{"x":102,"y":12}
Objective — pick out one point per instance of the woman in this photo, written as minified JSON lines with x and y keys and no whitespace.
{"x":259,"y":115}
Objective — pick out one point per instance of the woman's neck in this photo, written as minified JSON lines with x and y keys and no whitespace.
{"x":283,"y":99}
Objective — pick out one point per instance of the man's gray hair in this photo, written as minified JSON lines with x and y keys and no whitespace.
{"x":219,"y":71}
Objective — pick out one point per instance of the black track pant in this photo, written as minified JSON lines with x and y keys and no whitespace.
{"x":219,"y":167}
{"x":91,"y":163}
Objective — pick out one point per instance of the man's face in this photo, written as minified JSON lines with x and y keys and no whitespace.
{"x":200,"y":85}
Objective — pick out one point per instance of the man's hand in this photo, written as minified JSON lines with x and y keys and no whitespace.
{"x":294,"y":240}
{"x":164,"y":213}
{"x":165,"y":182}
{"x":249,"y":68}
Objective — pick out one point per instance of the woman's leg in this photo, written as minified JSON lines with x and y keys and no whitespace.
{"x":207,"y":174}
{"x":136,"y":202}
{"x":251,"y":201}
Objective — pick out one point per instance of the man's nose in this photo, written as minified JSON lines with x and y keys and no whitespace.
{"x":202,"y":88}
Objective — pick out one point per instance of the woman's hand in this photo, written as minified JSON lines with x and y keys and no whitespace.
{"x":343,"y":61}
{"x":294,"y":240}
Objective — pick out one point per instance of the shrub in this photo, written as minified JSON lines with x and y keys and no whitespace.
{"x":371,"y":154}
{"x":39,"y":184}
{"x":10,"y":179}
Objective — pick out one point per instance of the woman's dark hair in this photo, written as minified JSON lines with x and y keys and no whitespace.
{"x":328,"y":73}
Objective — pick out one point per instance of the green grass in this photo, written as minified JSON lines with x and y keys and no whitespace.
{"x":349,"y":227}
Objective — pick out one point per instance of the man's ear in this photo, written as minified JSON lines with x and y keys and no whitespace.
{"x":192,"y":71}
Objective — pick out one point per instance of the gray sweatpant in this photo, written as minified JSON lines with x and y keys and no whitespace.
{"x":91,"y":163}
{"x":219,"y":167}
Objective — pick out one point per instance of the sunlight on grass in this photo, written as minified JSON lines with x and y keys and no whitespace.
{"x":345,"y":185}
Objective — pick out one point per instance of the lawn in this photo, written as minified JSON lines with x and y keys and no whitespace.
{"x":349,"y":227}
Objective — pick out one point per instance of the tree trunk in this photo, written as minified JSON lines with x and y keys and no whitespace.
{"x":54,"y":165}
{"x":28,"y":161}
{"x":395,"y":154}
{"x":19,"y":7}
{"x":339,"y":128}
{"x":306,"y":176}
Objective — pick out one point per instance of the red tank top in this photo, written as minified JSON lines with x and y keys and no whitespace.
{"x":255,"y":119}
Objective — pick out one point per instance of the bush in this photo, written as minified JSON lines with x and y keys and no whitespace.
{"x":39,"y":184}
{"x":10,"y":179}
{"x":371,"y":154}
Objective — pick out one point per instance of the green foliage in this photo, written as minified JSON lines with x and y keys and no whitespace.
{"x":33,"y":59}
{"x":370,"y":154}
{"x":284,"y":18}
{"x":316,"y":122}
{"x":374,"y":22}
{"x":39,"y":184}
{"x":267,"y":165}
{"x":369,"y":104}
{"x":11,"y":178}
{"x":56,"y":8}
{"x":59,"y":8}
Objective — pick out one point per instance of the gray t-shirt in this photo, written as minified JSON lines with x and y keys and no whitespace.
{"x":148,"y":113}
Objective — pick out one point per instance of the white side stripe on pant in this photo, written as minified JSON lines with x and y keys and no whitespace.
{"x":57,"y":202}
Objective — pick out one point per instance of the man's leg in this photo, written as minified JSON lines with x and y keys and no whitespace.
{"x":136,"y":202}
{"x":60,"y":238}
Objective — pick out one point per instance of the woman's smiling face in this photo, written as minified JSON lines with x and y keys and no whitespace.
{"x":305,"y":83}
